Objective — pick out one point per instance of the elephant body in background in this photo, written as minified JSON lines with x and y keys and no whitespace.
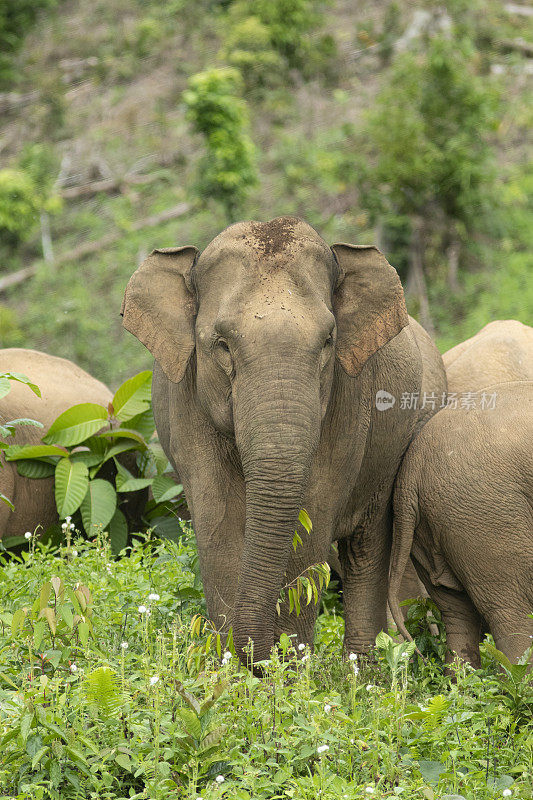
{"x":463,"y":508}
{"x":270,"y":348}
{"x":501,"y":351}
{"x":62,"y":384}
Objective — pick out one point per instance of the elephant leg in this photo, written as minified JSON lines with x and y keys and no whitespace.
{"x":511,"y":628}
{"x":365,"y":560}
{"x":460,"y":617}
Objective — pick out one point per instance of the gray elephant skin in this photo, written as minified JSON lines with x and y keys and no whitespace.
{"x":62,"y":384}
{"x":270,"y":348}
{"x":464,"y":497}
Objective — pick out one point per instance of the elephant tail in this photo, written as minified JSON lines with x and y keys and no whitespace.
{"x":405,"y":522}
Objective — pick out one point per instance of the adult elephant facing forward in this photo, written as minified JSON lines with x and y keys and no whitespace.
{"x":270,"y":349}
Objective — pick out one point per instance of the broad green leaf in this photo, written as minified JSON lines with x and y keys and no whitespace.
{"x":35,"y":469}
{"x":143,"y":423}
{"x":124,"y":433}
{"x":133,"y":397}
{"x":305,"y":520}
{"x":88,"y":458}
{"x":191,"y":723}
{"x":98,"y":505}
{"x":71,"y":481}
{"x":16,"y":451}
{"x":118,"y":532}
{"x":431,"y":770}
{"x":133,"y":484}
{"x":76,"y":424}
{"x":164,"y":488}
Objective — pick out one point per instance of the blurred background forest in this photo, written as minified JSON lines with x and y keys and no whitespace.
{"x":132,"y":124}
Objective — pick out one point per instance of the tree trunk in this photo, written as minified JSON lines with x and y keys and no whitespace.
{"x":416,"y":280}
{"x":453,"y":251}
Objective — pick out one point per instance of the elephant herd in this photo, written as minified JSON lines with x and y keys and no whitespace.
{"x":289,"y":375}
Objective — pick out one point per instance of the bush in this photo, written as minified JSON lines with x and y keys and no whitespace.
{"x":16,"y":19}
{"x":227,"y":170}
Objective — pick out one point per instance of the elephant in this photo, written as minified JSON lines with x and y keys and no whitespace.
{"x":272,"y":350}
{"x":463,"y":509}
{"x":62,"y":384}
{"x":501,"y":351}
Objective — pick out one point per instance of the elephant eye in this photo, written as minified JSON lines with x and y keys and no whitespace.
{"x":223,"y":345}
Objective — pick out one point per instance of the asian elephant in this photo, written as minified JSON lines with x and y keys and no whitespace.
{"x":463,"y":509}
{"x":62,"y":384}
{"x":501,"y":351}
{"x":270,"y":349}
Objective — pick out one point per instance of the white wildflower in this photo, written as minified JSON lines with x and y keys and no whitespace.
{"x":28,"y":535}
{"x":153,"y":596}
{"x":68,"y":520}
{"x":370,"y":687}
{"x":355,"y":669}
{"x":124,"y":645}
{"x":73,"y":668}
{"x":226,"y":658}
{"x":370,"y":789}
{"x":301,"y":646}
{"x":305,"y":658}
{"x":327,"y":708}
{"x":220,"y":779}
{"x":142,"y":609}
{"x":73,"y":553}
{"x":507,"y":793}
{"x":352,"y":657}
{"x":323,"y":748}
{"x":153,"y":680}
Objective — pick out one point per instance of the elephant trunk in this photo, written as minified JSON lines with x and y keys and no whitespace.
{"x":277,"y":438}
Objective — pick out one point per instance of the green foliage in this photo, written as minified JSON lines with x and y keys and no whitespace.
{"x":16,"y":19}
{"x":81,"y":445}
{"x":227,"y":170}
{"x":118,"y":708}
{"x":430,"y":133}
{"x":20,"y":205}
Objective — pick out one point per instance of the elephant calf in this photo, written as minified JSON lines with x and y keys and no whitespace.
{"x":62,"y":384}
{"x":464,"y":511}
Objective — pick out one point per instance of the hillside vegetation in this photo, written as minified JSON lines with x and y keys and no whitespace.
{"x":126,"y":125}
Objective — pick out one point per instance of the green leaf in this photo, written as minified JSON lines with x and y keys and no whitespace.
{"x":7,"y":501}
{"x":35,"y":469}
{"x":143,"y":423}
{"x":133,"y":484}
{"x":16,"y":451}
{"x":191,"y":723}
{"x":98,"y":505}
{"x":118,"y":532}
{"x":164,"y":488}
{"x":305,"y":520}
{"x":431,"y":770}
{"x":71,"y":481}
{"x":133,"y":397}
{"x":17,"y":376}
{"x":5,"y":386}
{"x":124,"y":433}
{"x":76,"y":424}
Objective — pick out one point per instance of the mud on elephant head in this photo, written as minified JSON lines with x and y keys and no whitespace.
{"x":250,"y":338}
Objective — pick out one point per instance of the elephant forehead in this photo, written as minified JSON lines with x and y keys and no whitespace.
{"x":266,"y":246}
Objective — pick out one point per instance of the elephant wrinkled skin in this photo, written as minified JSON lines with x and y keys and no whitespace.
{"x":62,"y":384}
{"x":463,"y":508}
{"x":270,"y":347}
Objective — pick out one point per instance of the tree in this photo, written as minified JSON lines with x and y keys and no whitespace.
{"x":430,"y":160}
{"x":227,"y":171}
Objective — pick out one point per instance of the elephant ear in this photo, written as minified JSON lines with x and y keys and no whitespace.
{"x":368,"y":303}
{"x":159,"y":308}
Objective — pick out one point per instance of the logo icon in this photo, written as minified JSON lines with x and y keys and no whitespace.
{"x":384,"y":400}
